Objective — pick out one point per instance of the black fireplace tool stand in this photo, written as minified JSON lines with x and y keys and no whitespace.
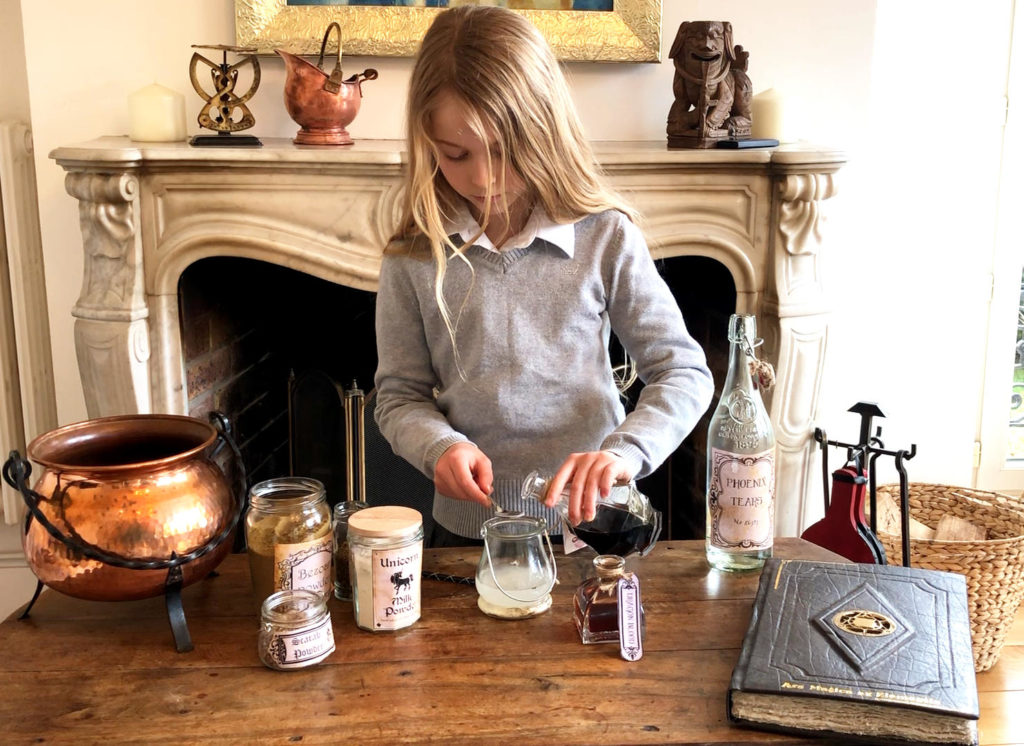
{"x":863,"y":455}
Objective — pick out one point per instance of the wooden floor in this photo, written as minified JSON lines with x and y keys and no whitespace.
{"x":1001,"y":692}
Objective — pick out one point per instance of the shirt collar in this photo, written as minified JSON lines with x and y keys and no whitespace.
{"x":538,"y":226}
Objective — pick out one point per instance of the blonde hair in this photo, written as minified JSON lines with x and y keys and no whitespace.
{"x":497,"y":63}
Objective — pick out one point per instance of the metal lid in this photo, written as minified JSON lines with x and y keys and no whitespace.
{"x":385,"y":521}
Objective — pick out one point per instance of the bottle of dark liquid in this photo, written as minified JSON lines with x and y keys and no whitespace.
{"x":626,"y":523}
{"x":596,"y":602}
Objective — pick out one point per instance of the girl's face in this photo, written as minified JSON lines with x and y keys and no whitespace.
{"x":464,"y":164}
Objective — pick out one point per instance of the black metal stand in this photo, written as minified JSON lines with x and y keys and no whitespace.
{"x":864,"y":454}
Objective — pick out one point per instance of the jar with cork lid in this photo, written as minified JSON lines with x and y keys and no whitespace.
{"x":386,"y":556}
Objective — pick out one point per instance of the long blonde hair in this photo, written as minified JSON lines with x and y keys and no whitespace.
{"x":497,"y":63}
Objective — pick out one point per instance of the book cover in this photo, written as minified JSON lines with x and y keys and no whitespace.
{"x":876,"y":652}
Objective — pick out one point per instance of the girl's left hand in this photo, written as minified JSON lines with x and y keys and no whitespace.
{"x":588,"y":475}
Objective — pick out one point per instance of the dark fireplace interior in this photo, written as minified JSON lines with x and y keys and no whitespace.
{"x":279,"y":351}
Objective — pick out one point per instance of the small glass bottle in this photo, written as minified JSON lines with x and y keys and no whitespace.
{"x":342,"y":570}
{"x":596,"y":602}
{"x":625,"y":523}
{"x":288,"y":535}
{"x":295,"y":630}
{"x":386,"y":556}
{"x":740,"y":463}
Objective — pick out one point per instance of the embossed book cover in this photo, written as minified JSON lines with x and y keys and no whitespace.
{"x":875,"y":652}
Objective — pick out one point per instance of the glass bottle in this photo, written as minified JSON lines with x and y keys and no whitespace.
{"x":741,"y":463}
{"x":625,"y":523}
{"x":342,"y":570}
{"x":288,"y":536}
{"x":596,"y":602}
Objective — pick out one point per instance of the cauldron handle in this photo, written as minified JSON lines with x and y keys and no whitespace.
{"x":225,"y":436}
{"x":333,"y":83}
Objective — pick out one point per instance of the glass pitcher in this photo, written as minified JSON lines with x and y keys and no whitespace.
{"x":625,"y":523}
{"x":517,"y":567}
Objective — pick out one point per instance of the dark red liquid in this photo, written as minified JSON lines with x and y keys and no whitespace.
{"x":617,"y":531}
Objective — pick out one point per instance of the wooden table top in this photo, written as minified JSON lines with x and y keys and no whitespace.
{"x":92,"y":672}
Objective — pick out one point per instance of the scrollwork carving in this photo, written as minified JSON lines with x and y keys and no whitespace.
{"x":112,"y":280}
{"x":800,"y":214}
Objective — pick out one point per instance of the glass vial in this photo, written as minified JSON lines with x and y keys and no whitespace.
{"x":596,"y":602}
{"x":295,"y":630}
{"x":288,"y":535}
{"x":386,"y":555}
{"x":740,"y":463}
{"x":342,"y":570}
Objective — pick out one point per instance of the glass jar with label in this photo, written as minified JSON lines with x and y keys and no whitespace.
{"x":386,"y":555}
{"x":596,"y":608}
{"x":288,"y":534}
{"x":295,"y":630}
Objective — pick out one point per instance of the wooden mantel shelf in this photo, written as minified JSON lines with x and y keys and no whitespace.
{"x":149,"y":210}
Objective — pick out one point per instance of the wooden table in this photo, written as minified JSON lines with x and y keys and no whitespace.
{"x":95,"y":672}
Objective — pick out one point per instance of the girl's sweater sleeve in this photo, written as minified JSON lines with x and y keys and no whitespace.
{"x":405,"y":410}
{"x":677,"y":382}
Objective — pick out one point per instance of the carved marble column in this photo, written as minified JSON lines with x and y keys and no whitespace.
{"x":795,"y":327}
{"x":111,"y":329}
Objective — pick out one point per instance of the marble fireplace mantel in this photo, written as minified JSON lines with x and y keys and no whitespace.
{"x":149,"y":210}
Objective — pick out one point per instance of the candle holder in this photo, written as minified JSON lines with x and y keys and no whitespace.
{"x":225,"y":111}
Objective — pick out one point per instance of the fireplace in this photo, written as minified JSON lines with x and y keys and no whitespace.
{"x":248,"y":345}
{"x":153,"y":214}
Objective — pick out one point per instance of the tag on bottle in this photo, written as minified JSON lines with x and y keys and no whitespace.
{"x":630,"y":645}
{"x":570,"y":541}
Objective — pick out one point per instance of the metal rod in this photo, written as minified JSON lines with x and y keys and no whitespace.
{"x":361,"y":441}
{"x":349,"y":480}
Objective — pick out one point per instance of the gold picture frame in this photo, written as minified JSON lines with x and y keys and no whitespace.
{"x":631,"y":32}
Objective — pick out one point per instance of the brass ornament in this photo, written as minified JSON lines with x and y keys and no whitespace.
{"x":864,"y":623}
{"x":225,"y":111}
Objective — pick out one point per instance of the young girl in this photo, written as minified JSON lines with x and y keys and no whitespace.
{"x":497,"y":297}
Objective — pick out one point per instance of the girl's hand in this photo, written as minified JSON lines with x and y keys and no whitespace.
{"x":587,"y":474}
{"x":464,"y":473}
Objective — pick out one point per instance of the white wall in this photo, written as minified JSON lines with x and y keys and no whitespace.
{"x":916,"y":106}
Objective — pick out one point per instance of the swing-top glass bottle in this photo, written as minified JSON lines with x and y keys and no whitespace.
{"x":740,"y":463}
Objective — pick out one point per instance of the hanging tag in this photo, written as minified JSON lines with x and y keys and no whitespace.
{"x":570,"y":541}
{"x":630,"y":645}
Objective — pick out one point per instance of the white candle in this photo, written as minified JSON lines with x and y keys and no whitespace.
{"x":156,"y":114}
{"x":766,"y":113}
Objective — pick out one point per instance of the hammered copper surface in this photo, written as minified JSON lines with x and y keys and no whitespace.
{"x":322,"y":115}
{"x":139,"y":487}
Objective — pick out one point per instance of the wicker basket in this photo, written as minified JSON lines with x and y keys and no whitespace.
{"x":994,"y":568}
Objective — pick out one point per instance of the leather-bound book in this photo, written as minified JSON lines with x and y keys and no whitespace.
{"x":876,"y":653}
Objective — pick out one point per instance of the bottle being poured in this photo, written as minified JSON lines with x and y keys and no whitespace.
{"x":624,"y":523}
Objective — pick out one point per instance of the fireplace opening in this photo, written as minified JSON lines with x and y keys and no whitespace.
{"x":278,"y":351}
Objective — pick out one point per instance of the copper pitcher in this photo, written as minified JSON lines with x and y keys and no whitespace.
{"x":323,"y":105}
{"x":123,"y":501}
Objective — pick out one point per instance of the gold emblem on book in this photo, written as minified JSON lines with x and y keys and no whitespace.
{"x":864,"y":623}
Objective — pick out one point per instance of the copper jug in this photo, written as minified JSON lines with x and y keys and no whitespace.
{"x":124,"y":501}
{"x":323,"y":105}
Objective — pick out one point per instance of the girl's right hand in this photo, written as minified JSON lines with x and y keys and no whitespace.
{"x":464,"y":473}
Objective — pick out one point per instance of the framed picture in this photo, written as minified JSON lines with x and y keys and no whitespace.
{"x":578,"y":30}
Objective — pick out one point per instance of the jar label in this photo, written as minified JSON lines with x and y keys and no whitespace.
{"x":396,"y":586}
{"x":741,"y":499}
{"x":305,"y":565}
{"x":631,"y":645}
{"x":301,"y":647}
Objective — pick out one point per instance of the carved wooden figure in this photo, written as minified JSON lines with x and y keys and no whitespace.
{"x":711,"y":87}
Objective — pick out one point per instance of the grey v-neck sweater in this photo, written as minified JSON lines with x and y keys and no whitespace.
{"x":532,"y":338}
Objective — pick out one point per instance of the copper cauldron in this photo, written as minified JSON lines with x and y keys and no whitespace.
{"x":323,"y":105}
{"x":124,"y":501}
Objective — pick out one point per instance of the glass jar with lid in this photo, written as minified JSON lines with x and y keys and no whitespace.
{"x":386,"y":555}
{"x":288,"y":534}
{"x":295,"y":630}
{"x":596,"y":603}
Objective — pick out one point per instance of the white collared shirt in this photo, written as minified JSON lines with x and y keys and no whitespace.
{"x":539,"y":225}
